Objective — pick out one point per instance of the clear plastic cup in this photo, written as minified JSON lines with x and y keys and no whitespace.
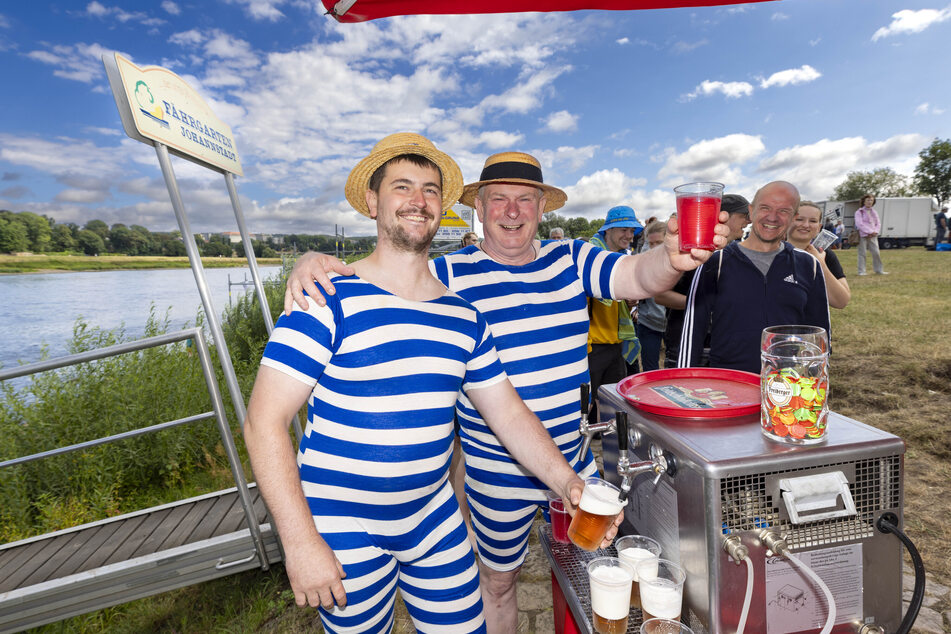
{"x":662,"y":589}
{"x":559,"y":518}
{"x":595,"y":515}
{"x":634,"y":549}
{"x":698,"y":211}
{"x":664,"y":626}
{"x":610,"y":583}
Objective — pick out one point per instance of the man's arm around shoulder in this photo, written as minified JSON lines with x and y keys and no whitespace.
{"x":312,"y":568}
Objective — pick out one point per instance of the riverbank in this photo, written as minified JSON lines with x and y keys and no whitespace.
{"x":40,"y":263}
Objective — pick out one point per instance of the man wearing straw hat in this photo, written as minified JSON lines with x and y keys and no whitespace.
{"x":534,"y":296}
{"x":366,"y":506}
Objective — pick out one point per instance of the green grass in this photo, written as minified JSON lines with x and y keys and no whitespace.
{"x":47,"y":263}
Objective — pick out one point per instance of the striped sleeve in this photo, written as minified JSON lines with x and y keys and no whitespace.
{"x":301,"y":343}
{"x":596,"y":268}
{"x":484,"y":367}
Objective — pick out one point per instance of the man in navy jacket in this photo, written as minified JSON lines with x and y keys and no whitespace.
{"x":749,"y":285}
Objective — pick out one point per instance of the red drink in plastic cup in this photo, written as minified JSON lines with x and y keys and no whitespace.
{"x":559,"y":520}
{"x":698,"y":211}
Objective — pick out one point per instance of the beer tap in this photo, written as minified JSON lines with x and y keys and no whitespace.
{"x":626,"y":469}
{"x":588,"y":430}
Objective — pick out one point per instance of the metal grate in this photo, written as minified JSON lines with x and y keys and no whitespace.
{"x":751,"y":502}
{"x":573,"y":564}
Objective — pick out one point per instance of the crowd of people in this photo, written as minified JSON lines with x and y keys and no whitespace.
{"x":442,"y":394}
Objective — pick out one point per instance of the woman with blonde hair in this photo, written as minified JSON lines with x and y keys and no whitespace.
{"x":805,"y":226}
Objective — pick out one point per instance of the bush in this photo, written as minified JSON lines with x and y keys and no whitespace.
{"x":102,"y":398}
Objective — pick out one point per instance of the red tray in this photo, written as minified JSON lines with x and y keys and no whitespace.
{"x":693,"y":392}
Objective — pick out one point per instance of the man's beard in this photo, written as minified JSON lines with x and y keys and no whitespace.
{"x":403,"y":241}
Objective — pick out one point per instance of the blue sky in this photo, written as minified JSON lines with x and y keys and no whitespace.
{"x":619,"y":106}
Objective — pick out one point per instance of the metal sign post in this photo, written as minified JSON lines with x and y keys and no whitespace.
{"x":158,"y":108}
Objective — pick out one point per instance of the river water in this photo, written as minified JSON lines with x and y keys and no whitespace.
{"x":41,"y":309}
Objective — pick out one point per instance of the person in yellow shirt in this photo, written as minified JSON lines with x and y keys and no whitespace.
{"x":612,"y":342}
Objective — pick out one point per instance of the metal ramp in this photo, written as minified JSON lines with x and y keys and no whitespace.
{"x":85,"y":568}
{"x":94,"y":566}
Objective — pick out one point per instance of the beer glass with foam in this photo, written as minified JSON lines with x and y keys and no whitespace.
{"x":596,"y":512}
{"x":634,"y":549}
{"x":610,"y":582}
{"x":662,"y":588}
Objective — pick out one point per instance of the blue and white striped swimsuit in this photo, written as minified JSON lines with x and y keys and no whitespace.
{"x":374,"y":460}
{"x":538,"y":314}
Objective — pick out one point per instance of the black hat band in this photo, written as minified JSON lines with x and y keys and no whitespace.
{"x":512,"y":169}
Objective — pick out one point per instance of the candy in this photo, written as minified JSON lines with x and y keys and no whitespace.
{"x":794,"y":404}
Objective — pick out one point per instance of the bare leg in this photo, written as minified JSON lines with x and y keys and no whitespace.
{"x":500,"y":599}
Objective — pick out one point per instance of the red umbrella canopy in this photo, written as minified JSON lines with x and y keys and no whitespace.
{"x":363,"y":10}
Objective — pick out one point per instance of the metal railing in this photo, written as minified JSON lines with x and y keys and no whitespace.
{"x":217,"y":412}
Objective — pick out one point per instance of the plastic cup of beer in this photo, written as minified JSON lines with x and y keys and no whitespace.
{"x":595,"y":515}
{"x":559,"y":517}
{"x":664,"y":626}
{"x":698,"y":211}
{"x":662,"y":588}
{"x":634,"y":549}
{"x":610,"y":583}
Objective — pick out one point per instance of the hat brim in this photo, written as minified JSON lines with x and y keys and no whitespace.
{"x":359,"y":180}
{"x":554,"y":197}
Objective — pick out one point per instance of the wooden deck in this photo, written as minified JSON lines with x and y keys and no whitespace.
{"x":89,"y":567}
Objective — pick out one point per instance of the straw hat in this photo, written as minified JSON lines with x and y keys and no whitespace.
{"x":514,"y":167}
{"x":396,"y":145}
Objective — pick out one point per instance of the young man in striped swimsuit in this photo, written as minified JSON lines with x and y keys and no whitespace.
{"x":534,"y":296}
{"x":366,"y":507}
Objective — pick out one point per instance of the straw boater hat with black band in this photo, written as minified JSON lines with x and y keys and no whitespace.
{"x":518,"y":168}
{"x":400,"y":144}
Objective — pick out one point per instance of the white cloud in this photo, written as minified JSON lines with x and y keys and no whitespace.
{"x":731,"y":90}
{"x":261,"y":9}
{"x":561,"y":121}
{"x":82,"y":196}
{"x":791,"y":76}
{"x":686,"y":47}
{"x":817,"y":168}
{"x":192,"y":37}
{"x":711,"y":160}
{"x":815,"y":42}
{"x":592,"y":195}
{"x":926,"y":108}
{"x":99,"y":10}
{"x":778,"y":17}
{"x":909,"y":21}
{"x":500,"y":140}
{"x":80,"y":62}
{"x":4,"y":22}
{"x":171,"y":7}
{"x":622,"y":41}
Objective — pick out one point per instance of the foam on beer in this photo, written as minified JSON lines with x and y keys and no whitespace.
{"x":661,"y":598}
{"x":610,"y":592}
{"x":634,"y":555}
{"x":599,"y":499}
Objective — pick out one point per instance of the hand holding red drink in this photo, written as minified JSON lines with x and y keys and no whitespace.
{"x":698,"y":210}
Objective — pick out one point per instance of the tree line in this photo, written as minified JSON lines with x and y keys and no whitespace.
{"x":26,"y":231}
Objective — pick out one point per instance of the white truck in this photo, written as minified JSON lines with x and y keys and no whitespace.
{"x":905,"y":221}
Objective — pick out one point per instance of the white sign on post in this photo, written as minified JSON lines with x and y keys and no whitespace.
{"x":166,"y":109}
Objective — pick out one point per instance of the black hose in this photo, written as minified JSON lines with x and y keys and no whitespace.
{"x":888,"y":523}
